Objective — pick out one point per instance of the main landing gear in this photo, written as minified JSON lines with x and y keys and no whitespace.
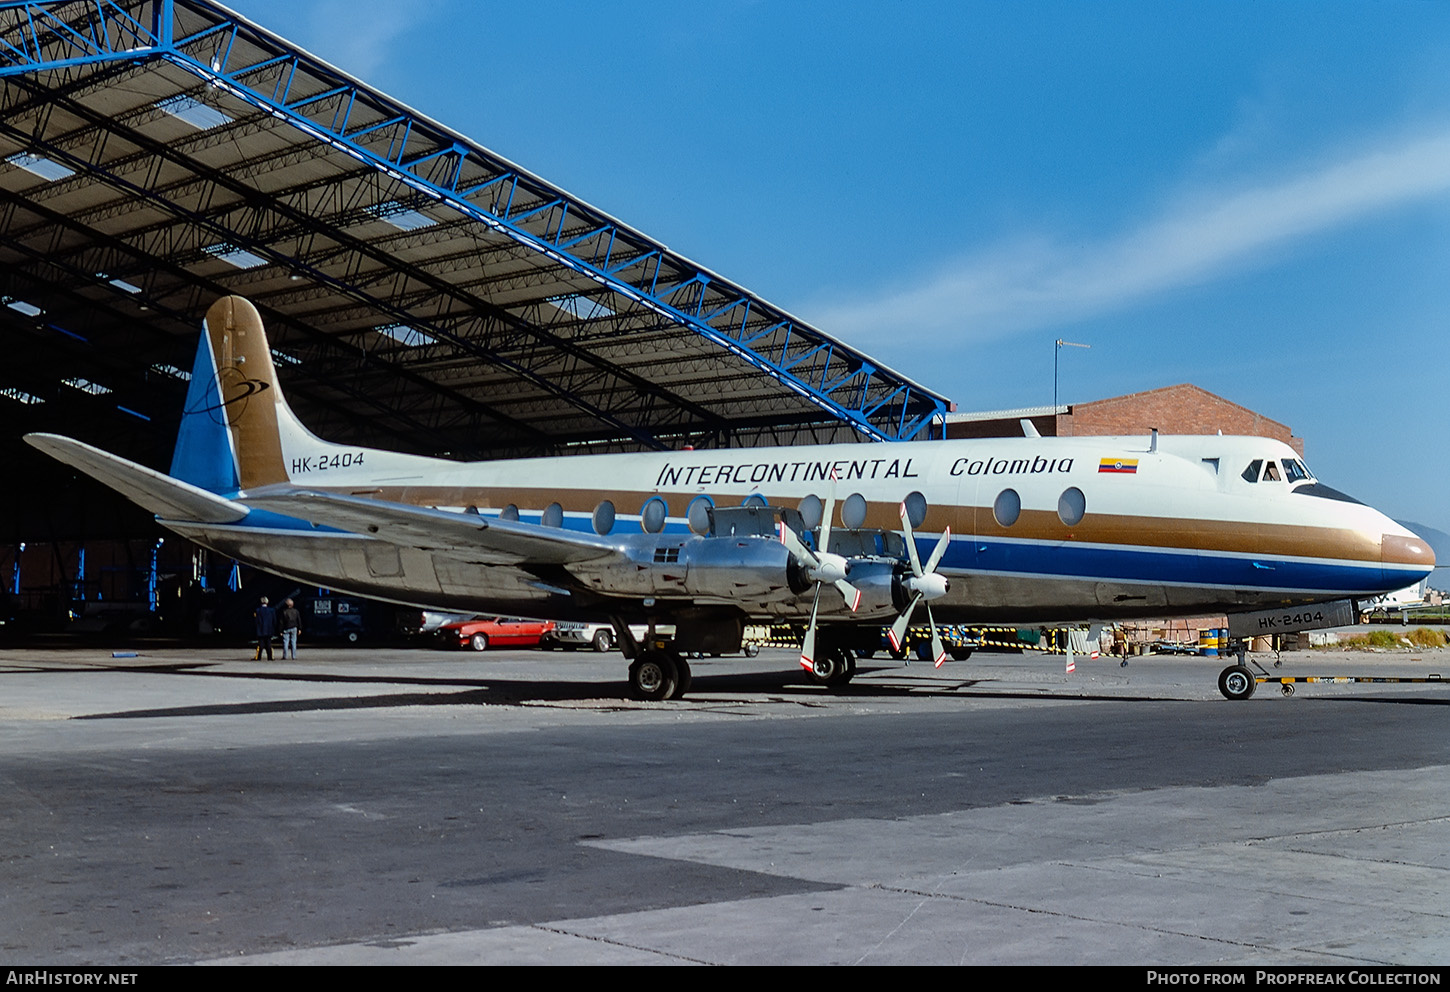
{"x":832,"y":666}
{"x":659,"y":674}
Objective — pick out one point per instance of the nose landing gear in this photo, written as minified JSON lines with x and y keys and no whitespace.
{"x":1237,"y":682}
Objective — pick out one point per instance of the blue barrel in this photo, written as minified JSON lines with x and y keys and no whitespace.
{"x":1208,"y":642}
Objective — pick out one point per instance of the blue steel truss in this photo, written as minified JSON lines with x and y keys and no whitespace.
{"x":255,"y":66}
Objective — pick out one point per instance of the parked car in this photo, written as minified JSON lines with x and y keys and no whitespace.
{"x":412,"y":623}
{"x":497,"y":632}
{"x":570,"y":635}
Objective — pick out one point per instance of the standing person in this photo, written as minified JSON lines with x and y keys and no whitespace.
{"x":266,"y":628}
{"x":290,"y":620}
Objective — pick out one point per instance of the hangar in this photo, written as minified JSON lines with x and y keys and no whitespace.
{"x":424,"y":294}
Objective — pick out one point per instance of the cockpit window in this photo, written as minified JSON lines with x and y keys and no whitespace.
{"x":1294,"y":471}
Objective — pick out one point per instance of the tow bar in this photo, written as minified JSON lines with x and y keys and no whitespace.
{"x":1237,"y":682}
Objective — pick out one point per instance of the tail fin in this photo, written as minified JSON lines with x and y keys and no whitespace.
{"x":231,"y":427}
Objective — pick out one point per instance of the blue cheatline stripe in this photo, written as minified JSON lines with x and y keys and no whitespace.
{"x":1163,"y":566}
{"x":1068,"y":562}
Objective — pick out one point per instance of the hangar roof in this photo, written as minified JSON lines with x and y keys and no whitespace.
{"x":422,"y":293}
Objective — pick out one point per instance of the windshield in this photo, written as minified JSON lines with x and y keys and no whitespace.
{"x":1295,"y":471}
{"x":1289,"y":470}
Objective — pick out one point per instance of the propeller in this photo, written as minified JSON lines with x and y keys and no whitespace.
{"x":925,"y":585}
{"x":820,"y":567}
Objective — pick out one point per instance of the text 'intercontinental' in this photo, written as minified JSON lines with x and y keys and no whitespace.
{"x":846,"y":470}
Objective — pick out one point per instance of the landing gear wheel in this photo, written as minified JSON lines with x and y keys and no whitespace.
{"x":479,"y":642}
{"x":603,"y":641}
{"x":654,"y":676}
{"x":682,"y":678}
{"x":833,"y":667}
{"x":1236,"y":682}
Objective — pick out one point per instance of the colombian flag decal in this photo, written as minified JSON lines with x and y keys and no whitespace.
{"x":1118,"y":466}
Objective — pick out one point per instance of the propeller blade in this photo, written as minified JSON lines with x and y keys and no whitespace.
{"x":910,"y":542}
{"x":938,"y":652}
{"x":898,"y":629}
{"x":794,"y":545}
{"x":808,"y":646}
{"x":938,"y":551}
{"x":852,"y":594}
{"x":828,"y":514}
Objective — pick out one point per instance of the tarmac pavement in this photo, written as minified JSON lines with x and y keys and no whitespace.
{"x":412,"y":806}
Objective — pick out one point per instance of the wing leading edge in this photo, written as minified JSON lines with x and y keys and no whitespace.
{"x":460,"y":535}
{"x":168,"y":498}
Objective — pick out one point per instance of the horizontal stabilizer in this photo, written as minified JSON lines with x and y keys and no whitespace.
{"x":464,"y":536}
{"x":168,"y":498}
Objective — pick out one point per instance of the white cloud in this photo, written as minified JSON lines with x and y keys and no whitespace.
{"x":1204,"y":234}
{"x":360,"y":36}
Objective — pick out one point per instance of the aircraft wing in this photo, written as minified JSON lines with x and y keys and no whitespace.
{"x":465,"y":536}
{"x":168,"y":498}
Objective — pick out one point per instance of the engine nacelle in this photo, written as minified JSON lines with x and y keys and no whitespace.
{"x":879,"y":581}
{"x":728,"y":569}
{"x":734,"y":568}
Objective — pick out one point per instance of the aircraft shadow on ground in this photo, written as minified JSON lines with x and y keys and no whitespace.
{"x":707,"y":690}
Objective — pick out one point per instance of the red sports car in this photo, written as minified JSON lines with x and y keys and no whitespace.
{"x":495,"y":632}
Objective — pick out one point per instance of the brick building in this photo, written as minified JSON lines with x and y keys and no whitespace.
{"x":1181,"y":409}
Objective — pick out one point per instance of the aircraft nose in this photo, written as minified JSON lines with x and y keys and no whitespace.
{"x":1406,"y":549}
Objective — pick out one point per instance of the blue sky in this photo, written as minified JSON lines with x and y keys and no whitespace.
{"x":1250,"y":196}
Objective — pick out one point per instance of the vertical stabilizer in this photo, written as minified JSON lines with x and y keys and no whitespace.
{"x":230,"y":437}
{"x":203,"y":455}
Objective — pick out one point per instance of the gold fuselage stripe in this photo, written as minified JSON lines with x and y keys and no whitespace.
{"x":1189,"y":534}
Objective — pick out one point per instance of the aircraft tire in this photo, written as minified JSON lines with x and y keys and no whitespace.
{"x":683,"y":678}
{"x":833,"y":667}
{"x":478,"y":642}
{"x":1236,"y":682}
{"x":653,"y":677}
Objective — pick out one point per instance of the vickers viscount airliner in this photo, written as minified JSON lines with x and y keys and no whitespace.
{"x":846,"y":539}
